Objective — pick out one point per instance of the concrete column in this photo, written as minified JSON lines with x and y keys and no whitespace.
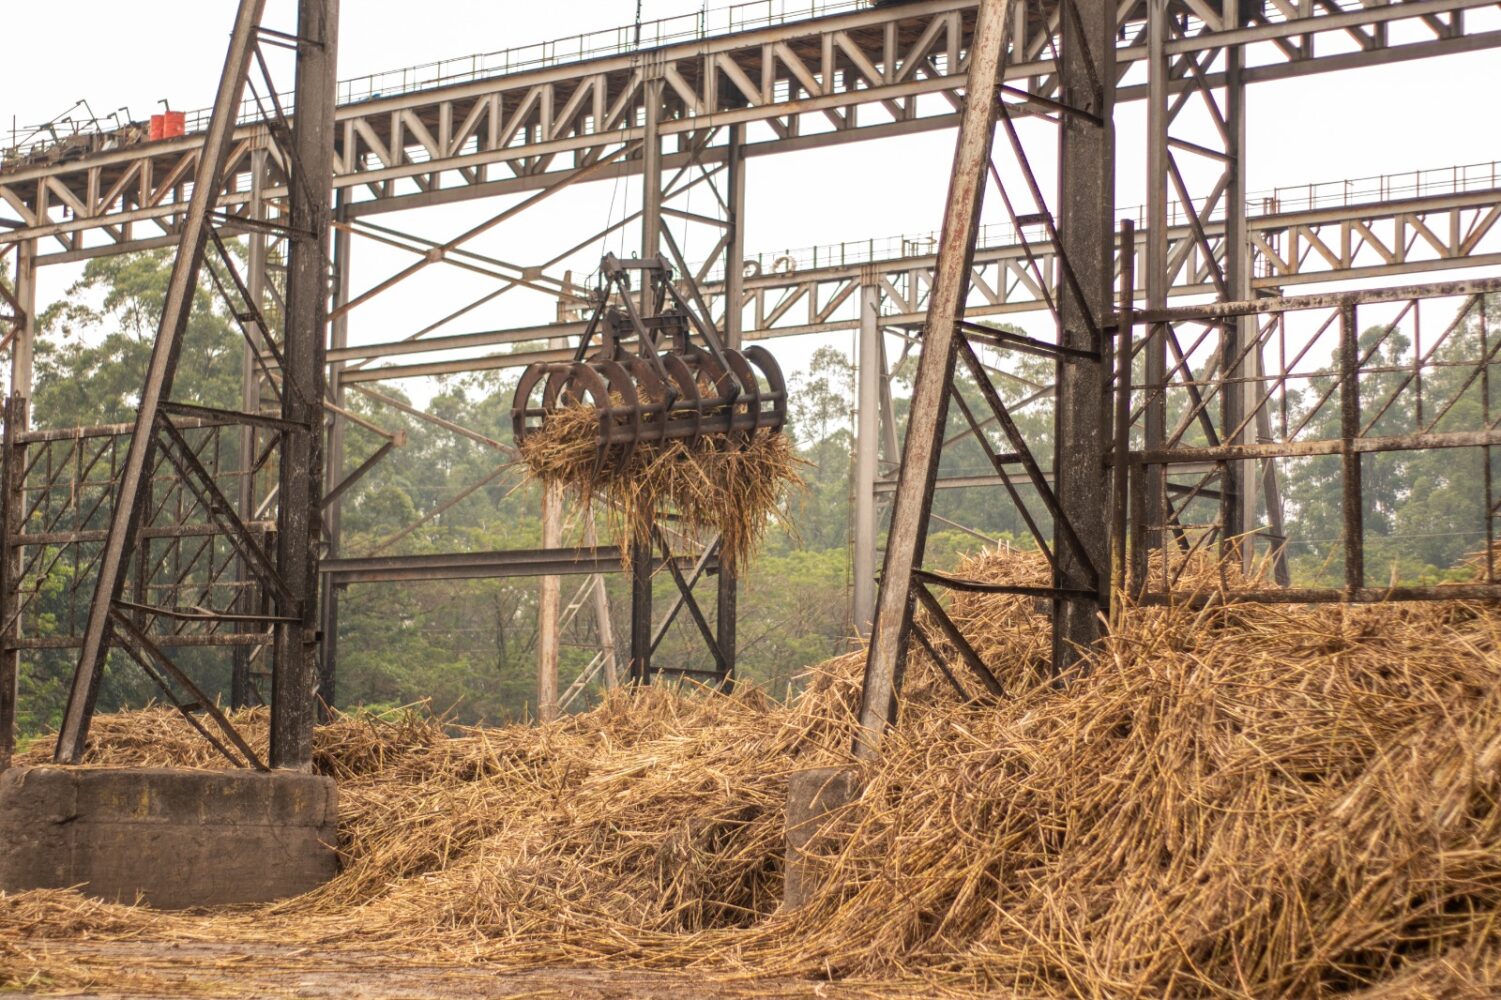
{"x":815,"y":800}
{"x":171,"y":837}
{"x":602,"y":624}
{"x":548,"y":601}
{"x":868,"y":376}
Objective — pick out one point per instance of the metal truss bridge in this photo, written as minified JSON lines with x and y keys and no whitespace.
{"x":681,"y":109}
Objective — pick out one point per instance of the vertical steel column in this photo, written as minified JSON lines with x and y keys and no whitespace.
{"x":868,"y":371}
{"x":728,"y":580}
{"x":734,"y":253}
{"x":548,"y":599}
{"x":1272,"y":494}
{"x":640,"y":576}
{"x":890,"y":450}
{"x":299,"y":515}
{"x":338,"y":337}
{"x":1353,"y":502}
{"x":133,"y":493}
{"x":651,"y":177}
{"x":1086,"y":224}
{"x":935,"y":373}
{"x":1238,"y":394}
{"x":651,"y":246}
{"x":724,"y":625}
{"x":23,"y":347}
{"x":1151,"y":511}
{"x":1120,"y":429}
{"x":12,"y":503}
{"x":250,"y":401}
{"x":12,"y":495}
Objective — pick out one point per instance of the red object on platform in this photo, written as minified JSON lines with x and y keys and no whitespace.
{"x":157,"y":127}
{"x":174,"y":123}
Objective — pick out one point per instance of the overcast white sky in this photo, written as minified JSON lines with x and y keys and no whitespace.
{"x":1435,"y":113}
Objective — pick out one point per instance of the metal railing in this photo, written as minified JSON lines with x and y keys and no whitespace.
{"x":705,"y":23}
{"x":86,"y":136}
{"x":1375,"y":189}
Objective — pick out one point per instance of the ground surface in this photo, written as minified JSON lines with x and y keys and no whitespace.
{"x":155,"y":969}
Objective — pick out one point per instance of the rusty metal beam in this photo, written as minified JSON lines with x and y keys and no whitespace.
{"x":134,"y":484}
{"x":930,"y":394}
{"x":294,"y":676}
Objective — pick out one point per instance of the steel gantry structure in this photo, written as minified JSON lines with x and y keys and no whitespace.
{"x":683,"y":104}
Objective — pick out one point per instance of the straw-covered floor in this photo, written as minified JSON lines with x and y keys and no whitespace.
{"x":1242,"y":801}
{"x":716,"y":484}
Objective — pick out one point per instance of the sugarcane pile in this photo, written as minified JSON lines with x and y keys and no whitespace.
{"x":1224,"y":801}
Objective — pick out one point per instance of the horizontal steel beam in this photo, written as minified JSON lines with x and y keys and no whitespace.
{"x":1306,"y":449}
{"x":163,"y":531}
{"x":518,"y":130}
{"x":477,"y":565}
{"x":1216,"y":311}
{"x":165,"y":641}
{"x":1327,"y":595}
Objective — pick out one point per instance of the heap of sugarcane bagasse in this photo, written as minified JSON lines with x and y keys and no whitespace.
{"x":1222,"y":801}
{"x":736,"y":488}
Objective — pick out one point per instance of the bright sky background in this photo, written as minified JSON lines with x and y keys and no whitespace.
{"x":1426,"y":114}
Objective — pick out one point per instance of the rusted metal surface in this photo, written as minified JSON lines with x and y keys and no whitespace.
{"x":294,"y":677}
{"x":134,"y":484}
{"x":658,"y":373}
{"x":934,"y":380}
{"x":82,"y":200}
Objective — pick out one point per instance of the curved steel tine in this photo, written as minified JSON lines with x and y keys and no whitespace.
{"x":627,"y":412}
{"x":726,"y":387}
{"x":776,"y":385}
{"x":751,"y":400}
{"x":530,"y":377}
{"x":583,"y":379}
{"x":657,"y":394}
{"x":557,"y":381}
{"x":688,"y":398}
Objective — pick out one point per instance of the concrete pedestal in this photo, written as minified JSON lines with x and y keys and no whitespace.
{"x":172,"y":838}
{"x":811,"y":796}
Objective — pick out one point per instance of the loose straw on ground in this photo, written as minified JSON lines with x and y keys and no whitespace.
{"x":1231,"y":801}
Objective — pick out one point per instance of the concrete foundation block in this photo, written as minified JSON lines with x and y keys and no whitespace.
{"x":811,"y":796}
{"x":172,"y":838}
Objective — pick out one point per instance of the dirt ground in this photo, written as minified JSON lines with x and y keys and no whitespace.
{"x":76,"y":969}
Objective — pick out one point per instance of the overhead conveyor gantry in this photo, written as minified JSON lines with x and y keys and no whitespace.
{"x":690,"y":106}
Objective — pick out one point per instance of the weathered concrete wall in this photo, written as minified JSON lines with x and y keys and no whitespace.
{"x":174,"y":838}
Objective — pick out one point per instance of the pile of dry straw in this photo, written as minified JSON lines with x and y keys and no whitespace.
{"x":713,"y":485}
{"x":1228,"y":802}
